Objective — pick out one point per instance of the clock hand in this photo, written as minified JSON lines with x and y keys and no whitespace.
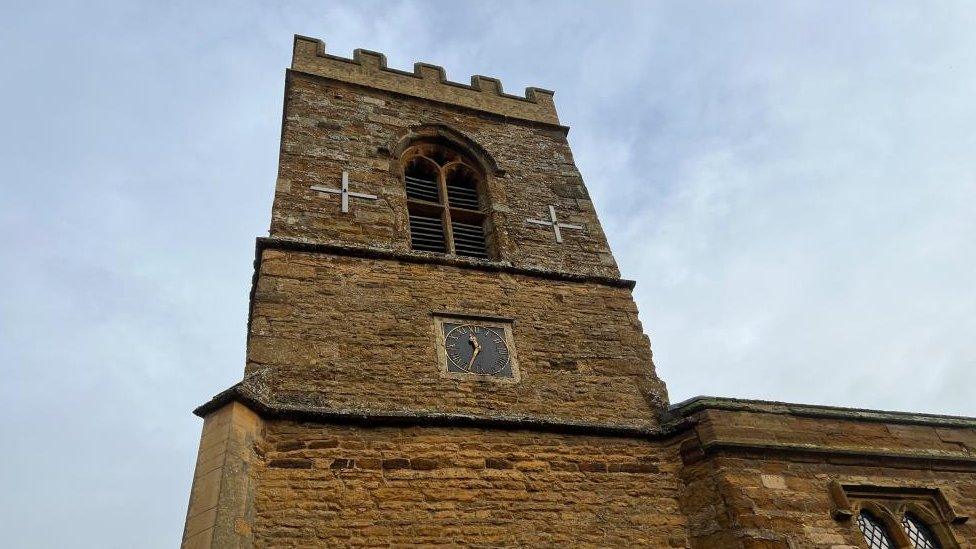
{"x":477,"y":349}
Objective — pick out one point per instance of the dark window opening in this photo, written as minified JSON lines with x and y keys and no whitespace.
{"x":426,"y":233}
{"x":421,"y":177}
{"x":445,"y":202}
{"x":462,"y":188}
{"x":469,"y":240}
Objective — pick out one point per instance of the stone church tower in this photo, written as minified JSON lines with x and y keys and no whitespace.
{"x":441,"y":352}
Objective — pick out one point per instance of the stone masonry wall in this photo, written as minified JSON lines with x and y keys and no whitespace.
{"x":771,"y":503}
{"x":357,"y":333}
{"x":221,"y":509}
{"x":427,"y":81}
{"x":723,"y":479}
{"x":761,"y":480}
{"x":331,"y":127}
{"x":328,"y":485}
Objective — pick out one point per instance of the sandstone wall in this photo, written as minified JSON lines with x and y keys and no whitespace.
{"x":331,"y":127}
{"x":327,"y":485}
{"x":347,"y":332}
{"x":762,"y":479}
{"x":221,"y":508}
{"x":772,"y":503}
{"x":368,"y":68}
{"x":714,"y":478}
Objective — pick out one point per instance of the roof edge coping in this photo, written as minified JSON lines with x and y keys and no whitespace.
{"x":696,"y":404}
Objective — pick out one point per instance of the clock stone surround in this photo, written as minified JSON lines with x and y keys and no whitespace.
{"x":443,"y":325}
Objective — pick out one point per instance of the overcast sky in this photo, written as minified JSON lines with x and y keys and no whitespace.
{"x":792,"y":185}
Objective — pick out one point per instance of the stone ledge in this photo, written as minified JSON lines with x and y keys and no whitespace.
{"x":841,"y":455}
{"x":369,"y":68}
{"x":696,"y":404}
{"x":274,"y":243}
{"x":253,"y":393}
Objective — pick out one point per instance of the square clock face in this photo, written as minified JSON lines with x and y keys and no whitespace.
{"x":471,"y":348}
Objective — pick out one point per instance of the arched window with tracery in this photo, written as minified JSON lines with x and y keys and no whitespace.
{"x":890,"y":517}
{"x":919,"y":534}
{"x":874,"y":531}
{"x":446,"y":201}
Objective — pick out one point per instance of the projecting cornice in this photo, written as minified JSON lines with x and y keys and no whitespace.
{"x":254,"y":392}
{"x":699,"y":403}
{"x":411,"y":256}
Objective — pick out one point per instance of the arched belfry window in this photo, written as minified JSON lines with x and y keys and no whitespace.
{"x":446,"y":201}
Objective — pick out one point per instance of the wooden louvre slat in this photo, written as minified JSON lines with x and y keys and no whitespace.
{"x":463,"y":194}
{"x":469,"y":240}
{"x":421,"y":189}
{"x":460,"y":201}
{"x":426,"y":234}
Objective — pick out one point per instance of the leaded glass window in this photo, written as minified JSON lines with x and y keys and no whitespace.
{"x":874,"y":531}
{"x":918,"y":533}
{"x":902,"y":517}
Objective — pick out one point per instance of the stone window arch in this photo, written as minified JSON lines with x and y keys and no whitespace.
{"x":875,"y":526}
{"x":447,"y":200}
{"x":919,"y":533}
{"x":897,"y":518}
{"x":924,"y":529}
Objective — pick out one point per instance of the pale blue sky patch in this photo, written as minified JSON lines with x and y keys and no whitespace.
{"x":791,"y":184}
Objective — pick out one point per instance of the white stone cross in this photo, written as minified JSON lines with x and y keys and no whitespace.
{"x":554,"y":223}
{"x":344,"y":192}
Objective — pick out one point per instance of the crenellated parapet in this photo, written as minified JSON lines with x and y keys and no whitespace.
{"x":368,"y":68}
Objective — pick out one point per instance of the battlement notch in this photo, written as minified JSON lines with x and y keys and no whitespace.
{"x":368,"y":68}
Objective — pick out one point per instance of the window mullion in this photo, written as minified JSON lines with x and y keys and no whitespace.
{"x":446,"y":213}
